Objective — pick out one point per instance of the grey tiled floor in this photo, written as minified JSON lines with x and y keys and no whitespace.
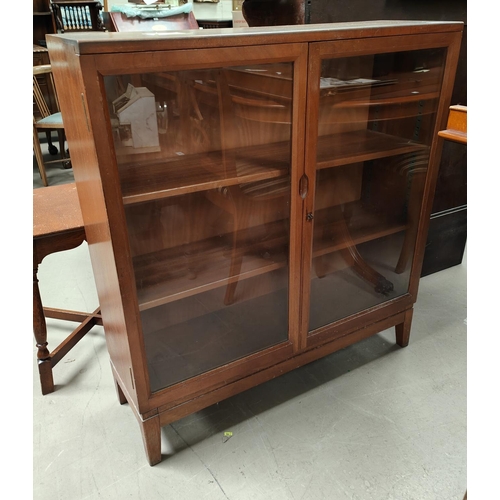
{"x":56,"y":174}
{"x":372,"y":421}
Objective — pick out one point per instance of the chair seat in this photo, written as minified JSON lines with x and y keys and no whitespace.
{"x":51,"y":121}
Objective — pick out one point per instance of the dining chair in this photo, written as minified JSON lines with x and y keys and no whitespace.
{"x":47,"y":121}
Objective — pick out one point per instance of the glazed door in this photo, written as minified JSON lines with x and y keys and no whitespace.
{"x":207,"y":148}
{"x":374,"y":112}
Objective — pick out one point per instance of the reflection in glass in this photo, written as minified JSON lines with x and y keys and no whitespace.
{"x":204,"y":164}
{"x":376,"y":120}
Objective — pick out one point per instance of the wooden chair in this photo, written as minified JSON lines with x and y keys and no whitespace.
{"x":74,"y":16}
{"x":45,"y":120}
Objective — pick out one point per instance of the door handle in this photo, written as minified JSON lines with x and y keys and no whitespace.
{"x":303,"y":186}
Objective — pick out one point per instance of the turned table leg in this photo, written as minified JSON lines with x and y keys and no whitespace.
{"x":40,"y":332}
{"x":403,"y":329}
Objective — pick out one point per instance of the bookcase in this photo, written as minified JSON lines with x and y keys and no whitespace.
{"x":253,"y":199}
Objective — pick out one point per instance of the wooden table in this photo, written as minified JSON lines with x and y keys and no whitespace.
{"x":57,"y":226}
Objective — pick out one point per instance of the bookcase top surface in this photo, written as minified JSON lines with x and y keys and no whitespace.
{"x":109,"y":42}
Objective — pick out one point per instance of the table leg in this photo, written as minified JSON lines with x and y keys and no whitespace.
{"x":40,"y":332}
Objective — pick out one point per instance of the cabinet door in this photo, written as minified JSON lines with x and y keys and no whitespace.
{"x":207,"y":153}
{"x":373,"y":108}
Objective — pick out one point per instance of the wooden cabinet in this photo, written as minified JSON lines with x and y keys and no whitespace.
{"x":253,"y":199}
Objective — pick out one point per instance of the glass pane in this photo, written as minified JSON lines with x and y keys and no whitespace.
{"x":204,"y":164}
{"x":376,"y":120}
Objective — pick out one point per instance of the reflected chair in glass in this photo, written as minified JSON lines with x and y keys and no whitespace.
{"x":257,"y":199}
{"x":237,"y":110}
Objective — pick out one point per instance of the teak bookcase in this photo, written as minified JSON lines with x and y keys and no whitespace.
{"x":253,"y":198}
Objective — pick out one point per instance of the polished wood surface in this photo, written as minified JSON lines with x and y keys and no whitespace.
{"x":56,"y":210}
{"x":110,"y":42}
{"x":278,"y":219}
{"x":57,"y":226}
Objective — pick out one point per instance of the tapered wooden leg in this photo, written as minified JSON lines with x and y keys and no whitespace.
{"x":403,"y":329}
{"x":151,"y":437}
{"x":121,"y":396}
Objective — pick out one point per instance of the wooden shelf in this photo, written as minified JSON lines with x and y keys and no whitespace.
{"x":174,"y":274}
{"x":354,"y":107}
{"x":371,"y":229}
{"x":192,"y":269}
{"x":363,"y":145}
{"x":147,"y":181}
{"x":177,"y":273}
{"x":411,"y":86}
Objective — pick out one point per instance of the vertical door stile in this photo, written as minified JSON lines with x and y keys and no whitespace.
{"x":99,"y":186}
{"x":306,"y":225}
{"x":453,"y":53}
{"x":298,"y":336}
